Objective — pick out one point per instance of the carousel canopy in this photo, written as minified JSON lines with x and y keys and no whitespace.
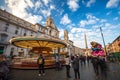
{"x":30,"y":42}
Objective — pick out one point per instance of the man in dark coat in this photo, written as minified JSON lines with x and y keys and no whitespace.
{"x":41,"y":62}
{"x":76,"y":67}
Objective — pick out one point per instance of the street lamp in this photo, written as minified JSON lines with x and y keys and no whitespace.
{"x":103,"y":40}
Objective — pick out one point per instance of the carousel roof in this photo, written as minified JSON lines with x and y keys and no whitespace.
{"x":30,"y":42}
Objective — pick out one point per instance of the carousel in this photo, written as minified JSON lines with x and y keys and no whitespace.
{"x":47,"y":46}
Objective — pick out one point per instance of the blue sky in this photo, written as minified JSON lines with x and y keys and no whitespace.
{"x":78,"y":17}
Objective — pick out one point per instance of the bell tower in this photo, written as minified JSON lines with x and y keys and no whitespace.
{"x":66,"y":35}
{"x":49,"y":22}
{"x":52,"y":29}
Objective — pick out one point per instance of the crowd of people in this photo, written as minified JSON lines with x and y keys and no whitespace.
{"x":71,"y":63}
{"x":74,"y":62}
{"x":98,"y":62}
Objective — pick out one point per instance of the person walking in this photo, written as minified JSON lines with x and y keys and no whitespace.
{"x":57,"y":62}
{"x":67,"y":64}
{"x":95,"y":62}
{"x":41,"y":62}
{"x":76,"y":67}
{"x":103,"y":66}
{"x":3,"y":68}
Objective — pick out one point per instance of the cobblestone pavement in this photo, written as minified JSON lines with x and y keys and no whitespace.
{"x":86,"y":73}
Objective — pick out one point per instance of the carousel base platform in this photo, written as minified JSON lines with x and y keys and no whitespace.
{"x":32,"y":65}
{"x":28,"y":67}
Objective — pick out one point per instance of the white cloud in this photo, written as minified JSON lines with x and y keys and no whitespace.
{"x":18,"y":8}
{"x":52,"y":7}
{"x":83,"y":23}
{"x":119,"y":12}
{"x":93,"y":34}
{"x":61,"y":12}
{"x":90,"y":20}
{"x":46,"y":13}
{"x":29,"y":3}
{"x":79,"y":43}
{"x":112,"y":3}
{"x":109,"y":13}
{"x":89,"y":16}
{"x":83,"y":1}
{"x":95,"y":26}
{"x":65,"y":20}
{"x":103,"y":20}
{"x":43,"y":23}
{"x":38,"y":4}
{"x":71,"y":36}
{"x":90,"y":2}
{"x":78,"y":30}
{"x":2,"y":7}
{"x":33,"y":18}
{"x":73,"y":4}
{"x":77,"y":36}
{"x":70,"y":26}
{"x":46,"y":2}
{"x":107,"y":24}
{"x":61,"y":33}
{"x":116,"y":18}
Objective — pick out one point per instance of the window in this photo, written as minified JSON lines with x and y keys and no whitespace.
{"x":50,"y":22}
{"x":17,"y":27}
{"x":119,"y":44}
{"x":16,"y":31}
{"x":6,"y":29}
{"x":11,"y":52}
{"x":3,"y":37}
{"x":50,"y":33}
{"x":31,"y":34}
{"x":24,"y":34}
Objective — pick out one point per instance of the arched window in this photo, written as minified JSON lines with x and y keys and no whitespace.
{"x":50,"y":33}
{"x":16,"y":31}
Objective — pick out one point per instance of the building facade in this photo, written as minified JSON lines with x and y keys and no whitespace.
{"x":12,"y":26}
{"x":70,"y":46}
{"x":114,"y":46}
{"x":79,"y":51}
